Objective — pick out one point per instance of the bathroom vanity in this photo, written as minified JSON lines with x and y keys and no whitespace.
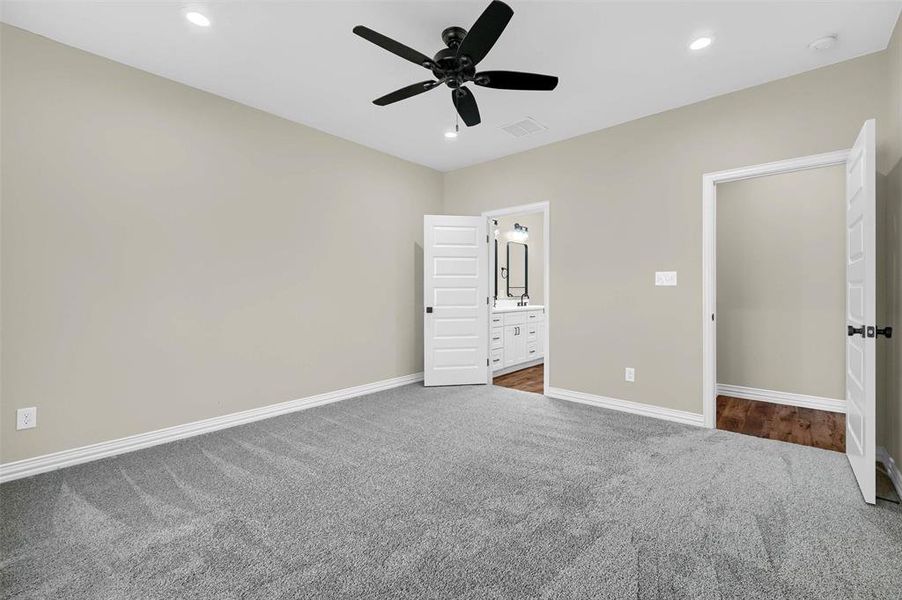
{"x":517,"y":337}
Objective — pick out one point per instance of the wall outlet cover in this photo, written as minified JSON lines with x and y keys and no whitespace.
{"x":665,"y":278}
{"x":630,"y":374}
{"x":27,"y":418}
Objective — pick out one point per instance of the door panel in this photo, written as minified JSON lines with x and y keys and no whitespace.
{"x":861,"y":309}
{"x":455,"y":290}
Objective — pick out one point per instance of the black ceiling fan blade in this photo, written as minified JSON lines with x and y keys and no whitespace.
{"x":485,"y":31}
{"x":394,"y":47}
{"x":514,"y":80}
{"x":405,"y":92}
{"x":465,"y":103}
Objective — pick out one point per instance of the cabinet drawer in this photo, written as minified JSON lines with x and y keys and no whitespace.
{"x":497,"y":359}
{"x":534,"y":316}
{"x":532,"y":332}
{"x":497,"y":319}
{"x":514,"y":318}
{"x":497,"y":338}
{"x":532,"y":351}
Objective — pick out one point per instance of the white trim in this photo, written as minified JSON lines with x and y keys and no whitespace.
{"x":636,"y":408}
{"x":709,"y":258}
{"x":519,"y":367}
{"x":522,"y":209}
{"x":787,"y":398}
{"x":892,"y":468}
{"x":66,"y":458}
{"x":525,"y":209}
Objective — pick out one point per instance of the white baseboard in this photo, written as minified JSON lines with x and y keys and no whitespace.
{"x":514,"y":368}
{"x":788,"y":398}
{"x":637,"y":408}
{"x":892,"y":468}
{"x":66,"y":458}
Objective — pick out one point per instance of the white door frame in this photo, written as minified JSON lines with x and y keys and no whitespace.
{"x":525,"y":209}
{"x":709,"y":257}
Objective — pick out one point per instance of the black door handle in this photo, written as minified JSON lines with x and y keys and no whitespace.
{"x":853,"y":331}
{"x":886,"y":332}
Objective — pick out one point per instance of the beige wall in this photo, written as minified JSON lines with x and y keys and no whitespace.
{"x":781,"y":283}
{"x":637,"y":187}
{"x":169,"y":255}
{"x":182,"y":261}
{"x":890,"y":425}
{"x":535,"y":223}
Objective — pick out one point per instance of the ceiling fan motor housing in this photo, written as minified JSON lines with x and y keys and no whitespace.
{"x":454,"y":70}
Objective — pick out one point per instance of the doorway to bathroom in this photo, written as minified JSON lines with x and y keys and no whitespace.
{"x":519,"y":251}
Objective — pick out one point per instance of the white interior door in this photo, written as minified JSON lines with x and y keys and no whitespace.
{"x":861,"y":309}
{"x":455,"y":296}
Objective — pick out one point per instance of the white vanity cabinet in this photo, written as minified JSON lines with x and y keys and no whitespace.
{"x":517,"y":336}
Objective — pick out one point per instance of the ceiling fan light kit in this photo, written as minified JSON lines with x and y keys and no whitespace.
{"x":455,"y":65}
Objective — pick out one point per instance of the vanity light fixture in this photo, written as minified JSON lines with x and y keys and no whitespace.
{"x":197,"y":19}
{"x":520,"y":234}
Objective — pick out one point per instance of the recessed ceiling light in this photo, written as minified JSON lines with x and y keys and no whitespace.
{"x":450,"y":135}
{"x":198,"y":19}
{"x":700,"y":43}
{"x":824,"y":43}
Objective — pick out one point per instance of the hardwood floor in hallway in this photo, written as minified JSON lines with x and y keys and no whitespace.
{"x":805,"y":426}
{"x":526,"y":380}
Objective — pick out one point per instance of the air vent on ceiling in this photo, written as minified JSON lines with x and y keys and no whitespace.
{"x":527,"y":126}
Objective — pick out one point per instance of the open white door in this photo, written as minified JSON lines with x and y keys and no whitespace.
{"x":455,"y":296}
{"x":861,"y":309}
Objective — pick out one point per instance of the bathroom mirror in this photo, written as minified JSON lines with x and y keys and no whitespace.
{"x":517,"y":266}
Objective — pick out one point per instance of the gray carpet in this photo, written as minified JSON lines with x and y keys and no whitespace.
{"x":452,"y":493}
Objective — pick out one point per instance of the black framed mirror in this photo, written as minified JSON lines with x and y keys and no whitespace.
{"x":517,"y":267}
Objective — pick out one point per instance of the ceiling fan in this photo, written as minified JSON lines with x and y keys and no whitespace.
{"x":456,"y":65}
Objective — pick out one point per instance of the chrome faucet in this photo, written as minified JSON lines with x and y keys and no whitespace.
{"x":524,"y":299}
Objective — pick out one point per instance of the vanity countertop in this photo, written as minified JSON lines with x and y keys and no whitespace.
{"x":508,"y":309}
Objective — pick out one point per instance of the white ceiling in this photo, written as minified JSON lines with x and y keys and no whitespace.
{"x":617,"y":61}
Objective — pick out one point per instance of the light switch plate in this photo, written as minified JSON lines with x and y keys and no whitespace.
{"x":27,"y":418}
{"x":629,"y":374}
{"x":665,"y":278}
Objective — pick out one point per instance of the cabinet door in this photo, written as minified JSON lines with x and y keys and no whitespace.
{"x":521,"y":343}
{"x":514,"y":344}
{"x":510,"y":345}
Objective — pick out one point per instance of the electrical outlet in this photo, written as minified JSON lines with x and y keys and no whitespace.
{"x":665,"y":278}
{"x":27,"y":418}
{"x":630,"y":374}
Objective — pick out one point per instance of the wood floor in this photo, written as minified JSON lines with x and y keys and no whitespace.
{"x":527,"y":380}
{"x":805,"y":426}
